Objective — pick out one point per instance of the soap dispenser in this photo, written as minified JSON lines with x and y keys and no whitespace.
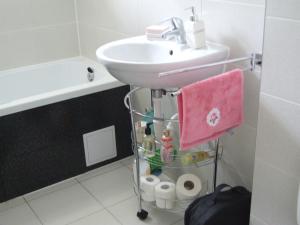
{"x":149,"y":142}
{"x":195,"y":31}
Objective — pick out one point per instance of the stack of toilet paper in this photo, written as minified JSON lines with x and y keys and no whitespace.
{"x":148,"y":184}
{"x":187,"y":187}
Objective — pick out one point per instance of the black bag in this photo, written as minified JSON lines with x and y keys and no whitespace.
{"x":230,"y":207}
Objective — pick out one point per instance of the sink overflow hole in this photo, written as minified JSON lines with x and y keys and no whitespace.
{"x":171,"y":52}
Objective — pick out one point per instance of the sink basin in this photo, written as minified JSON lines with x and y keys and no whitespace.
{"x":138,"y":61}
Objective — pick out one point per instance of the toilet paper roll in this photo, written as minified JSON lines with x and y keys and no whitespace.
{"x":188,"y":186}
{"x":161,"y":203}
{"x":148,"y":184}
{"x":144,"y":169}
{"x":165,"y":190}
{"x":148,"y":197}
{"x":170,"y":204}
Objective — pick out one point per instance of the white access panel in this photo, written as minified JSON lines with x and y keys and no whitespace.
{"x":100,"y":145}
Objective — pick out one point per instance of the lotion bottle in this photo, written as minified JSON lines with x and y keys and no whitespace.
{"x":166,"y":151}
{"x":195,"y":31}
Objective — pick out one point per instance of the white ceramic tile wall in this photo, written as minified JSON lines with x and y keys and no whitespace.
{"x":35,"y":31}
{"x":277,"y":168}
{"x":239,"y":24}
{"x":104,"y":21}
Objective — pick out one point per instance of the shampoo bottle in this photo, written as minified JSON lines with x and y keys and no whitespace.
{"x":195,"y":31}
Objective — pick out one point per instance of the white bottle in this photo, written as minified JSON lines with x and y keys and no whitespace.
{"x":195,"y":31}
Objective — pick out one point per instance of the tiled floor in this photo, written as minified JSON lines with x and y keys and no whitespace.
{"x":101,"y":197}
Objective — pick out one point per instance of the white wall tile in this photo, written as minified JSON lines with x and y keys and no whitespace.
{"x":26,"y":47}
{"x":35,"y":31}
{"x":274,"y":195}
{"x":153,"y":11}
{"x":92,"y":38}
{"x":229,"y":23}
{"x":238,"y":156}
{"x":15,"y":14}
{"x":236,"y":25}
{"x":117,"y":15}
{"x":248,"y":2}
{"x":285,"y":9}
{"x":281,"y":67}
{"x":240,"y":25}
{"x":278,"y":139}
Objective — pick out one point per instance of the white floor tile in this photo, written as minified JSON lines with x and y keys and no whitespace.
{"x":11,"y":203}
{"x":126,"y":213}
{"x":99,"y":171}
{"x":50,"y":189}
{"x":181,"y":222}
{"x":65,"y":205}
{"x":20,"y":215}
{"x":100,"y":218}
{"x":112,"y":187}
{"x":128,"y":161}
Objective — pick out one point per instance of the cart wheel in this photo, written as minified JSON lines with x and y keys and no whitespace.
{"x":142,"y":215}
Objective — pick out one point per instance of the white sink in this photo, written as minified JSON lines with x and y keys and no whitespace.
{"x":138,"y":61}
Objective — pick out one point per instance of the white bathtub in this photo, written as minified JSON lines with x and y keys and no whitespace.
{"x":33,"y":86}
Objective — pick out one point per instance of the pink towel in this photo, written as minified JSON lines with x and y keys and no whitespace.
{"x":210,"y":107}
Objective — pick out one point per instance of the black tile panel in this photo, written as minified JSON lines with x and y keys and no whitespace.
{"x":44,"y":145}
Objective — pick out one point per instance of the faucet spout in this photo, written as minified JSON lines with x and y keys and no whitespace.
{"x":176,"y":31}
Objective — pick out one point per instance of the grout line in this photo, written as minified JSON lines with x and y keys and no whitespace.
{"x":132,"y":196}
{"x":99,"y":173}
{"x":237,"y":3}
{"x":7,"y":205}
{"x":52,"y":189}
{"x":283,"y":172}
{"x":283,"y":18}
{"x":34,"y":212}
{"x":77,"y":27}
{"x":91,"y":194}
{"x":74,"y":221}
{"x":105,"y":29}
{"x":116,"y":218}
{"x":37,"y":28}
{"x":105,"y":207}
{"x":280,"y":99}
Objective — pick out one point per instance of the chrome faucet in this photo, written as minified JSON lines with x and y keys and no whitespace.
{"x":176,"y":31}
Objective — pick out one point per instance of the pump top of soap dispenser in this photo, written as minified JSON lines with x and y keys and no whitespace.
{"x":148,"y":129}
{"x":193,"y":17}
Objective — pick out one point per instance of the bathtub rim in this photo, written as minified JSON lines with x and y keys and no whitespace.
{"x":39,"y":100}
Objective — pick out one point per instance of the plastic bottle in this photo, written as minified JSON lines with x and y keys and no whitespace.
{"x":194,"y":157}
{"x":148,"y":142}
{"x":195,"y":31}
{"x":167,"y":150}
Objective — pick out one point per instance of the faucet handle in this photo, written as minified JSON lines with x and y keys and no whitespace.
{"x":175,"y":21}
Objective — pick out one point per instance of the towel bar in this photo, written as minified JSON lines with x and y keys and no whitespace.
{"x":255,"y":60}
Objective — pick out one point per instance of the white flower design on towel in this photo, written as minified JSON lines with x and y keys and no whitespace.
{"x":213,"y":117}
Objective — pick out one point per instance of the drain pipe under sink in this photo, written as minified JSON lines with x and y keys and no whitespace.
{"x":156,"y":98}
